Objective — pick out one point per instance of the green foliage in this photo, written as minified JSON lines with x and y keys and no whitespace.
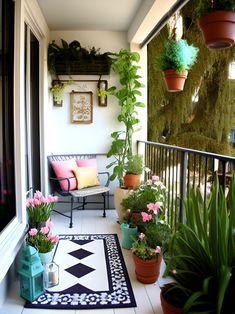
{"x":141,"y":248}
{"x":124,"y":65}
{"x":73,"y":51}
{"x":148,"y":192}
{"x":134,"y":164}
{"x":173,"y":118}
{"x":57,"y":90}
{"x":202,"y":253}
{"x":206,"y":6}
{"x":177,"y":55}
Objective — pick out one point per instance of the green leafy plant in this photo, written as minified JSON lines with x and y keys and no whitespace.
{"x":206,"y":6}
{"x":177,"y":55}
{"x":143,"y":250}
{"x":201,"y":256}
{"x":151,"y":191}
{"x":39,"y":208}
{"x":125,"y":66}
{"x":134,"y":164}
{"x":57,"y":90}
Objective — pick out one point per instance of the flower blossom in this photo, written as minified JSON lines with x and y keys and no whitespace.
{"x":158,"y":250}
{"x":49,"y":224}
{"x":155,"y":207}
{"x":149,"y":182}
{"x":38,"y":195}
{"x":53,"y":238}
{"x":33,"y":232}
{"x":44,"y":230}
{"x":146,"y":216}
{"x":155,"y":178}
{"x":142,"y":236}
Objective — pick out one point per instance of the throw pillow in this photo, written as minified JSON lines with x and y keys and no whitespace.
{"x":86,"y":177}
{"x":64,"y":169}
{"x":87,"y":162}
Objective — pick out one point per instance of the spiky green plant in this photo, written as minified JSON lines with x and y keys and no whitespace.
{"x":202,"y":254}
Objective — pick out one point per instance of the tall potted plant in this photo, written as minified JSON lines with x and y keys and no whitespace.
{"x":125,"y":65}
{"x":201,"y":256}
{"x":217,"y":23}
{"x":133,"y":170}
{"x":176,"y":59}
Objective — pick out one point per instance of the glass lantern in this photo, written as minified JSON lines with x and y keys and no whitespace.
{"x":31,"y":274}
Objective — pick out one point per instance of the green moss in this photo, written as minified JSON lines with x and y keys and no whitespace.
{"x":174,"y":117}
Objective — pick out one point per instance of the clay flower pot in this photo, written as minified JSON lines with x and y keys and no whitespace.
{"x":167,"y":307}
{"x":174,"y":81}
{"x":218,"y":29}
{"x":132,"y":181}
{"x":147,"y":271}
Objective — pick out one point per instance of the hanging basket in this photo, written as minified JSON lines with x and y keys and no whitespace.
{"x":218,"y":29}
{"x":174,"y":81}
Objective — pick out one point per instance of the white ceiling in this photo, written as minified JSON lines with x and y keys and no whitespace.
{"x":109,"y":15}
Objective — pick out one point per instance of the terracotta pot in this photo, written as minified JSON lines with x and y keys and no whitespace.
{"x":132,"y":181}
{"x":218,"y":29}
{"x":119,"y":195}
{"x":174,"y":81}
{"x":168,"y":308}
{"x":147,"y":271}
{"x":128,"y":235}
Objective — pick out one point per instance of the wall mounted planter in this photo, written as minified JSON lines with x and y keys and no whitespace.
{"x":174,"y":81}
{"x":218,"y":29}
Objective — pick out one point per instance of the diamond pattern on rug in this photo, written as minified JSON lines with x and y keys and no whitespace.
{"x":79,"y":270}
{"x":82,"y":242}
{"x":80,"y":254}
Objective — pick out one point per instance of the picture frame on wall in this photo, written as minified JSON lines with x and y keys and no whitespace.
{"x":81,"y":107}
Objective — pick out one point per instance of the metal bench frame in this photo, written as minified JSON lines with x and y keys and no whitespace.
{"x":77,"y":194}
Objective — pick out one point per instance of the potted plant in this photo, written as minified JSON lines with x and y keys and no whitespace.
{"x":133,"y":170}
{"x":39,"y":209}
{"x":125,"y":65}
{"x":217,"y":23}
{"x":44,"y":241}
{"x":72,"y":58}
{"x":150,"y":191}
{"x":176,"y":59}
{"x":201,"y":256}
{"x":57,"y":90}
{"x":129,"y":230}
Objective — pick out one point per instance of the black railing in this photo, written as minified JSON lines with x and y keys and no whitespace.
{"x":180,"y":169}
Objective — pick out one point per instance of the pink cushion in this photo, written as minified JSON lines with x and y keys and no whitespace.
{"x":87,"y":163}
{"x":64,"y":169}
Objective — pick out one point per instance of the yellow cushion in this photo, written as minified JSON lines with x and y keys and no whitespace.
{"x":86,"y":176}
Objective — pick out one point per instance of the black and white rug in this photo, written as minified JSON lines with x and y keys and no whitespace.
{"x":92,"y":274}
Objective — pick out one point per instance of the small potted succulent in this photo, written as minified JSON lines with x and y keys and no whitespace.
{"x":134,"y":168}
{"x":217,"y":22}
{"x":176,"y":60}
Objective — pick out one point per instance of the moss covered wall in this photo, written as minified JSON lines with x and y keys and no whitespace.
{"x":174,"y":118}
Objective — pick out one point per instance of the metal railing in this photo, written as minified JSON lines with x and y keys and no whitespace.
{"x":180,"y":169}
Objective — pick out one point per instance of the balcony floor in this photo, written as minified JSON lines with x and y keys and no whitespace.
{"x":91,"y":221}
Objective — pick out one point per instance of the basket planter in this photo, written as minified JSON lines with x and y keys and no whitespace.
{"x":174,"y":81}
{"x":167,"y":307}
{"x":218,"y":29}
{"x":132,"y":181}
{"x":147,"y":271}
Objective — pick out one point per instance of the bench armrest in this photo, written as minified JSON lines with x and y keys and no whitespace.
{"x":62,"y":179}
{"x":107,"y":174}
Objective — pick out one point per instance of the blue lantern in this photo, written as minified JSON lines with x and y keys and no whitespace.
{"x":31,"y":274}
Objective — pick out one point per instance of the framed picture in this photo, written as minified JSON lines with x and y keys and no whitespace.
{"x":81,"y":107}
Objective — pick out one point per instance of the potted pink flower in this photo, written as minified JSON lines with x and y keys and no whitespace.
{"x":39,"y":209}
{"x":43,"y":240}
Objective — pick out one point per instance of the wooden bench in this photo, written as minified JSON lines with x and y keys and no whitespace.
{"x":76,"y":195}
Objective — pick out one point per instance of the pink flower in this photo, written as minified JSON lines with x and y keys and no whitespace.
{"x":141,"y":236}
{"x":174,"y":271}
{"x":37,"y":194}
{"x":149,"y":182}
{"x":53,"y":238}
{"x":52,"y":199}
{"x":36,"y":202}
{"x":49,"y":224}
{"x":33,"y":232}
{"x":128,"y":211}
{"x":44,"y":230}
{"x":146,"y":216}
{"x":155,"y":178}
{"x":158,"y":250}
{"x":154,"y":207}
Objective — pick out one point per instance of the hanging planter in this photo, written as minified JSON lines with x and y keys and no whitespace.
{"x":176,"y":59}
{"x":174,"y":81}
{"x":218,"y":29}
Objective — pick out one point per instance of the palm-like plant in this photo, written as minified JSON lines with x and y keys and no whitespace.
{"x":202,"y":254}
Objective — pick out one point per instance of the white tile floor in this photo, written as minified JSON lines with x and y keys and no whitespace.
{"x":91,"y":221}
